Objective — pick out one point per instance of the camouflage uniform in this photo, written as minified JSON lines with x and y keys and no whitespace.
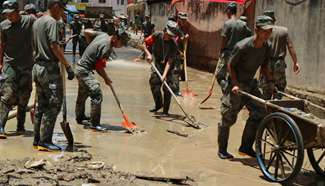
{"x":49,"y":88}
{"x":162,"y":51}
{"x":231,"y":105}
{"x":98,"y":49}
{"x":233,"y":31}
{"x":88,"y":87}
{"x":245,"y":61}
{"x":18,"y":62}
{"x":46,"y":75}
{"x":277,"y":66}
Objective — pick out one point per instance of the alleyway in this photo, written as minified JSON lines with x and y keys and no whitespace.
{"x":156,"y":151}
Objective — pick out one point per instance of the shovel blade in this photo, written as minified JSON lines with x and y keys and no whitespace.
{"x":127,"y":124}
{"x":188,"y":93}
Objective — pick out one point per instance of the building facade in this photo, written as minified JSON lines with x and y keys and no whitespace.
{"x":119,"y":6}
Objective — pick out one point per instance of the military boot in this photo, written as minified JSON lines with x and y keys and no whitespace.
{"x":82,"y":120}
{"x":37,"y":128}
{"x":2,"y":132}
{"x":48,"y":147}
{"x":167,"y":100}
{"x":95,"y":117}
{"x":4,"y":110}
{"x":21,"y":115}
{"x":223,"y":136}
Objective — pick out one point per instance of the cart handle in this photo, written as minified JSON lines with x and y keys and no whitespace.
{"x":272,"y":105}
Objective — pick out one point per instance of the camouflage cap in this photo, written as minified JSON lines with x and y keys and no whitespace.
{"x":243,"y":18}
{"x":264,"y":22}
{"x":270,"y":13}
{"x":9,"y":6}
{"x":30,"y":7}
{"x":182,"y":15}
{"x":231,"y":6}
{"x":171,"y":28}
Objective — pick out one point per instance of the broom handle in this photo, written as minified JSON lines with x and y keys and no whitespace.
{"x":116,"y":99}
{"x":169,"y":89}
{"x":213,"y":79}
{"x":64,"y":109}
{"x":185,"y":64}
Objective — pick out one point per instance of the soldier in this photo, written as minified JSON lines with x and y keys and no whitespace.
{"x":16,"y":62}
{"x":183,"y":36}
{"x":280,"y":41}
{"x":46,"y":75}
{"x":248,"y":55}
{"x":101,"y":24}
{"x":147,"y":27}
{"x":233,"y":31}
{"x":76,"y":27}
{"x":94,"y":58}
{"x":30,"y":9}
{"x":164,"y":51}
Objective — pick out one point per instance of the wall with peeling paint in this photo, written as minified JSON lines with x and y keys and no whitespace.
{"x":206,"y":21}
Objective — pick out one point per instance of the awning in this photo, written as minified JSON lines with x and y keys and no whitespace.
{"x":217,"y":1}
{"x":228,"y":1}
{"x":71,"y":9}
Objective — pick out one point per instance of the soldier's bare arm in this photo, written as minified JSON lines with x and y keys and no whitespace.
{"x":166,"y":70}
{"x":233,"y":77}
{"x":149,"y":41}
{"x":56,"y":49}
{"x":104,"y":75}
{"x":293,"y":54}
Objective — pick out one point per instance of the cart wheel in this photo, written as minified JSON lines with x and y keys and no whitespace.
{"x":317,"y":160}
{"x":279,"y":147}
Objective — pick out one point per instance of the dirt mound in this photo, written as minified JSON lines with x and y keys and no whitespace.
{"x":75,"y":168}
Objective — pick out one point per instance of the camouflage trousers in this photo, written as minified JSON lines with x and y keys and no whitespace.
{"x":231,"y":105}
{"x":88,"y":86}
{"x":49,"y":92}
{"x":177,"y":74}
{"x":15,"y":90}
{"x":156,"y":84}
{"x":222,"y":70}
{"x":278,"y":71}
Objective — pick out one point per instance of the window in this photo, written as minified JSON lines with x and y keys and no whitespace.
{"x":118,"y":2}
{"x":84,"y":1}
{"x":122,"y":2}
{"x":102,"y":1}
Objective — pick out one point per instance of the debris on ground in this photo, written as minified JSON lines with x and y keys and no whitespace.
{"x":75,"y":168}
{"x":177,"y":133}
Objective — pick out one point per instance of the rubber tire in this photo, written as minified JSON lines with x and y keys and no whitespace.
{"x":298,"y":138}
{"x":313,"y":163}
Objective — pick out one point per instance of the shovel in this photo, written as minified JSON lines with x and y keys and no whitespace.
{"x":211,"y":88}
{"x":191,"y":121}
{"x":64,"y":124}
{"x":128,"y":125}
{"x":187,"y":91}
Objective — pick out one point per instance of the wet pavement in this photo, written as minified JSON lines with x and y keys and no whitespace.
{"x":156,"y":151}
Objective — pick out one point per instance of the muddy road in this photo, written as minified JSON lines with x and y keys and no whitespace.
{"x":154,"y":152}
